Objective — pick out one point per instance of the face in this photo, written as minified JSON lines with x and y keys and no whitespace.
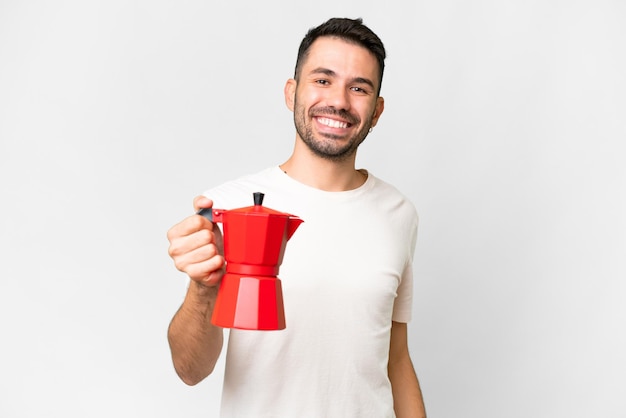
{"x":335,"y":100}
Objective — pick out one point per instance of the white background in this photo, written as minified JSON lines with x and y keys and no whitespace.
{"x":504,"y":124}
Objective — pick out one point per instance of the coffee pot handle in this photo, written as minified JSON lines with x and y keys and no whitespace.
{"x":213,"y":215}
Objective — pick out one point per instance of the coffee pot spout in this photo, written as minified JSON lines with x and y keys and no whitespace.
{"x":293,"y":224}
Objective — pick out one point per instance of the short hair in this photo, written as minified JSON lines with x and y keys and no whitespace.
{"x":350,"y":30}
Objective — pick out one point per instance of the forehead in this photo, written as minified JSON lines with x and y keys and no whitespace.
{"x":343,"y":57}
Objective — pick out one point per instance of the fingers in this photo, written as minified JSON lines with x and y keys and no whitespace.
{"x":196,"y":246}
{"x":202,"y":202}
{"x":188,"y":226}
{"x":193,"y":248}
{"x":207,"y":271}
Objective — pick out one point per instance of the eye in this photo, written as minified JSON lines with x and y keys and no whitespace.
{"x":359,"y":90}
{"x":323,"y":82}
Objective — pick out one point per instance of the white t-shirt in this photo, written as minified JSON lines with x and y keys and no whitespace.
{"x":346,"y":274}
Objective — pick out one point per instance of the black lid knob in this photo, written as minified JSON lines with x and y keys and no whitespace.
{"x":258,"y":198}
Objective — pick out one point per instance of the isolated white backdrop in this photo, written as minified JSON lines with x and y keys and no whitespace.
{"x":504,"y":124}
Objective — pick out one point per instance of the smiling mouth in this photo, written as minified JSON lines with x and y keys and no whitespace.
{"x":332,"y":123}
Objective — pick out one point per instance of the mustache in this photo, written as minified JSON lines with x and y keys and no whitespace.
{"x":330,"y":111}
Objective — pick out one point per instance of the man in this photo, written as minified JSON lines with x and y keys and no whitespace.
{"x":347,"y":271}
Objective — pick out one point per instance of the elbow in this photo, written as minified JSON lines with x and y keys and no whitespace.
{"x":191,"y":377}
{"x":189,"y":380}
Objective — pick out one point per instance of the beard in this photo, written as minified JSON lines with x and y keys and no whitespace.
{"x":328,"y":147}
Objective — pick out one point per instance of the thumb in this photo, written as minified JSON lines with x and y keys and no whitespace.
{"x":202,"y":202}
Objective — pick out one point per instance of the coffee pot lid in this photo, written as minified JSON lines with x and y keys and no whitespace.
{"x":258,"y":208}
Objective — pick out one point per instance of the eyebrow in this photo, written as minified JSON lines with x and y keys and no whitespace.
{"x":331,"y":73}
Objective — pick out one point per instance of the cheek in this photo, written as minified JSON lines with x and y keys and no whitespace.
{"x":367,"y":113}
{"x":310,"y":97}
{"x":374,"y":113}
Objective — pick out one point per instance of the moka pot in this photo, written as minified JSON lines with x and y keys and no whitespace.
{"x":250,"y":293}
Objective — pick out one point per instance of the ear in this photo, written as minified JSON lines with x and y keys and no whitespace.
{"x":378,"y":110}
{"x":290,"y":93}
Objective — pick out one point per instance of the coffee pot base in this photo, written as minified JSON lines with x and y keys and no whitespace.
{"x":250,"y":303}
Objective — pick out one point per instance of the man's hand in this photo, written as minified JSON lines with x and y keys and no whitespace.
{"x":196,"y":247}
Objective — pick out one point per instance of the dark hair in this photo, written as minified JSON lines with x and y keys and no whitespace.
{"x":350,"y":30}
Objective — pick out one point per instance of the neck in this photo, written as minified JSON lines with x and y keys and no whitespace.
{"x":323,"y":174}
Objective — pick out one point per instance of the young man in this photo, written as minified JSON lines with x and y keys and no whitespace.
{"x":347,"y":271}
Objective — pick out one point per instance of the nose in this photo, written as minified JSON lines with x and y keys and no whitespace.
{"x":338,"y":97}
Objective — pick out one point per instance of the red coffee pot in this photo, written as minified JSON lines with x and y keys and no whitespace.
{"x":250,"y":294}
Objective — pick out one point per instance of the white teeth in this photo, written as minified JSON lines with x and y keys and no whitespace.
{"x":332,"y":123}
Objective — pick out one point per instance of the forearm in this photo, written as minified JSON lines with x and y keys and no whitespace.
{"x":195,"y":343}
{"x":407,"y":395}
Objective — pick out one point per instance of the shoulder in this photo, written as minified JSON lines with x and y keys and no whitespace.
{"x":391,"y":199}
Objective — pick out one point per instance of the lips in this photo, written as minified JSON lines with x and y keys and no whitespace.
{"x":333,"y":118}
